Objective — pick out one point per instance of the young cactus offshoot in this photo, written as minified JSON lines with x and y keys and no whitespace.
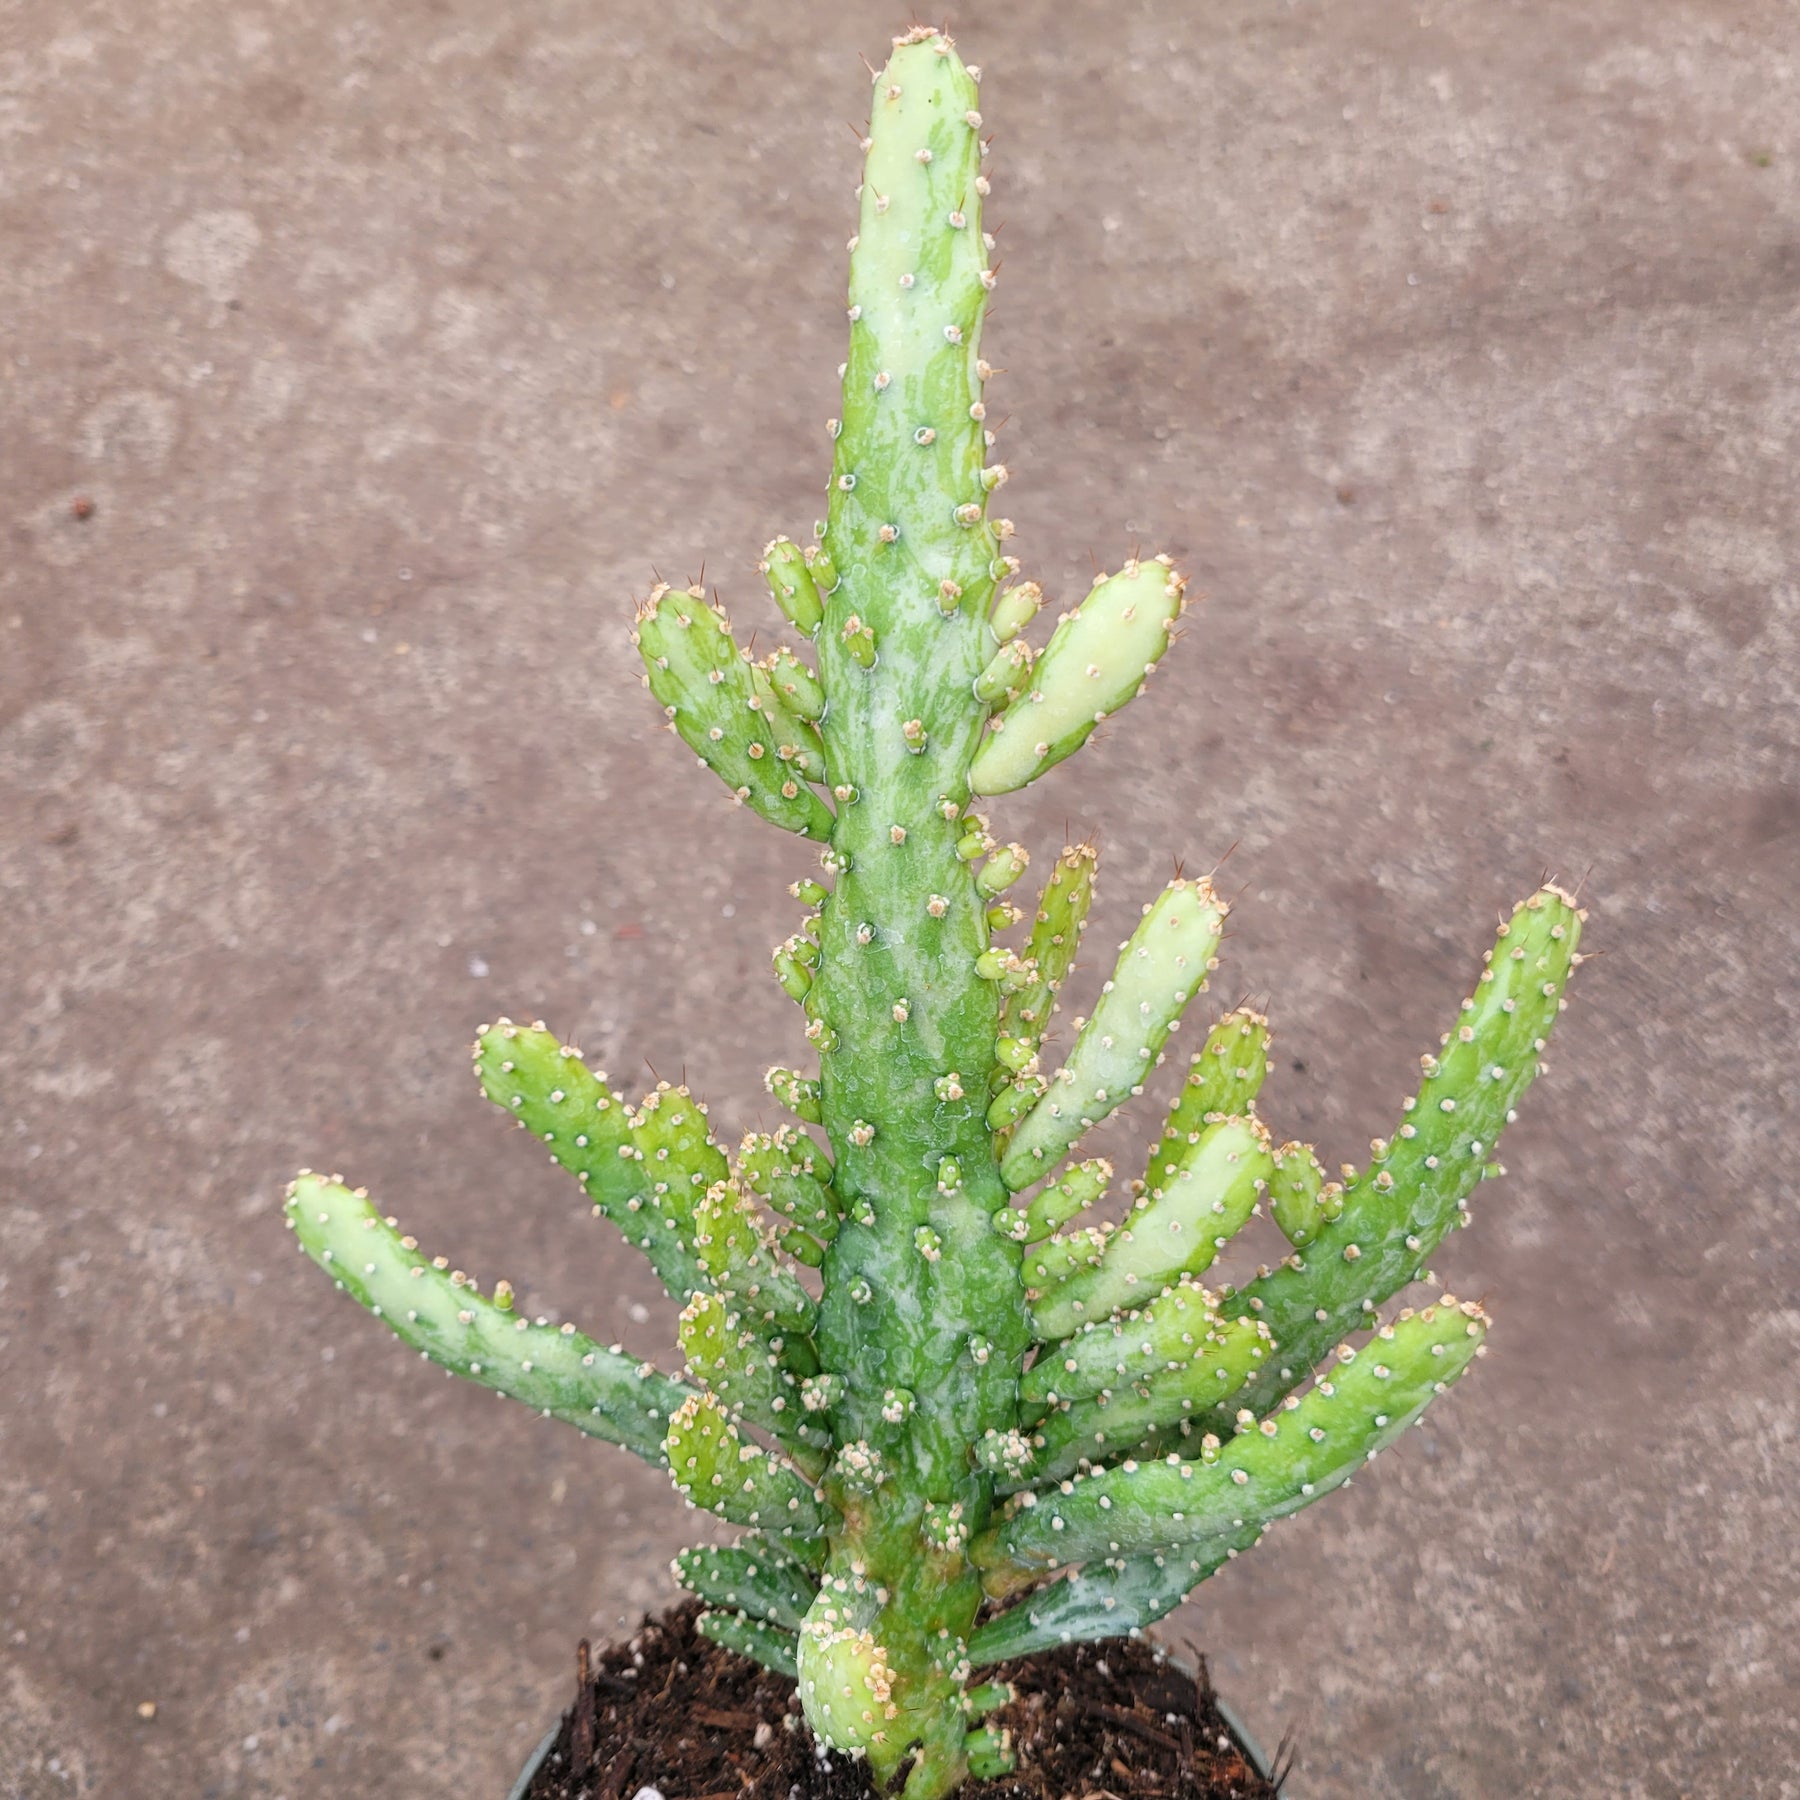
{"x":1005,"y":1423}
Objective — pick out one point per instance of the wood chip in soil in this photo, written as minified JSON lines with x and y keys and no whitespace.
{"x":673,"y":1711}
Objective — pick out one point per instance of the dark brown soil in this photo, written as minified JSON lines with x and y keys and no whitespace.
{"x":672,"y":1711}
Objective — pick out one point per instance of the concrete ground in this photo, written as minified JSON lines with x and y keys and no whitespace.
{"x":1454,"y":347}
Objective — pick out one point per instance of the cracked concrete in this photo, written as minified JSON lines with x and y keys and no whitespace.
{"x":357,"y":364}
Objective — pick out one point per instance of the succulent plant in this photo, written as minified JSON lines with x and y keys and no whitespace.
{"x":994,"y":1422}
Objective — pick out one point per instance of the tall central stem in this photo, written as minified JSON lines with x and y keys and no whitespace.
{"x":925,"y":1313}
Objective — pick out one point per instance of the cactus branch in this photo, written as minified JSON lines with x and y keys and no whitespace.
{"x":1013,"y":610}
{"x":714,"y":1466}
{"x":750,"y":1369}
{"x":1394,"y":1214}
{"x":1161,"y":967}
{"x":1055,"y":938}
{"x":1223,"y":1080}
{"x":1175,"y":1229}
{"x":735,"y":1251}
{"x":756,"y":1577}
{"x":1121,"y":1421}
{"x":644,"y":1172}
{"x":1167,"y":1333}
{"x":1301,"y":1200}
{"x":1097,"y":660}
{"x":439,"y":1312}
{"x":1055,"y":1204}
{"x":1274,"y":1467}
{"x":988,"y":1752}
{"x":1114,"y":1598}
{"x":786,"y":1169}
{"x":752,"y":1637}
{"x":742,"y":730}
{"x":790,"y":580}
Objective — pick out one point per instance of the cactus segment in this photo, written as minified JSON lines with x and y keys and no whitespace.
{"x":1397,"y":1210}
{"x":747,"y":1367}
{"x":988,"y":1697}
{"x":714,"y":1467}
{"x":1172,"y":1231}
{"x":756,"y":1577}
{"x":752,"y":1637}
{"x":784,"y":566}
{"x":735,"y":1252}
{"x":439,"y":1312}
{"x":1115,"y":1598}
{"x":824,"y":571}
{"x":798,"y":689}
{"x":1161,"y":967}
{"x":1007,"y":676}
{"x":643,"y":1173}
{"x":1223,"y":1080}
{"x":795,"y":976}
{"x":1064,"y":1255}
{"x":799,"y":1095}
{"x":784,"y":1167}
{"x":1272,"y":1468}
{"x":1055,"y":939}
{"x":1165,"y":1334}
{"x":748,"y":736}
{"x":1074,"y":1191}
{"x":1175,"y":1229}
{"x":1013,"y":1101}
{"x":1301,"y":1200}
{"x":1004,"y":966}
{"x":846,"y":1684}
{"x":975,"y":842}
{"x":907,"y":474}
{"x":1001,"y":870}
{"x":1096,"y":662}
{"x":1118,"y":1422}
{"x":671,"y":1138}
{"x":802,"y":1246}
{"x":799,"y":744}
{"x":1014,"y":609}
{"x":859,"y":641}
{"x":989,"y":1753}
{"x":1005,"y":1454}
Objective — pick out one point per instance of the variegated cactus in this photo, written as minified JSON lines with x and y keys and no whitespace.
{"x":997,"y":1421}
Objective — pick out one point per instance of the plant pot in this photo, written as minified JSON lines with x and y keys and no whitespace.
{"x":533,"y":1763}
{"x":1252,"y":1750}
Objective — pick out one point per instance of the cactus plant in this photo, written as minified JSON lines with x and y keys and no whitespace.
{"x":1001,"y":1423}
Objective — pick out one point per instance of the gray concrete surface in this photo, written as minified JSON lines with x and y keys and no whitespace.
{"x":1453,"y":346}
